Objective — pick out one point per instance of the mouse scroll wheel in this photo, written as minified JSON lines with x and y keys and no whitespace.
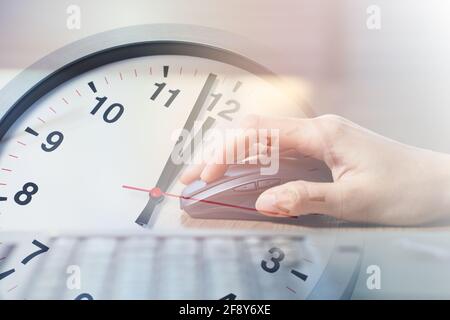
{"x":261,"y":184}
{"x":268,"y":183}
{"x":246,"y":187}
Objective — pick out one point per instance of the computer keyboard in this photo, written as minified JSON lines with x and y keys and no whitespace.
{"x":155,"y":266}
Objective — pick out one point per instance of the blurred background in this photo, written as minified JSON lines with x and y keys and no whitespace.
{"x":393,"y":79}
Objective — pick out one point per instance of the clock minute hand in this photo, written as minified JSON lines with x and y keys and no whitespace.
{"x":151,"y":209}
{"x":171,"y":170}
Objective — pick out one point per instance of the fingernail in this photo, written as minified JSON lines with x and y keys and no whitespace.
{"x":267,"y":203}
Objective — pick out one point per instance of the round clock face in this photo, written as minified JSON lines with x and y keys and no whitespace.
{"x":108,"y":120}
{"x":65,"y":159}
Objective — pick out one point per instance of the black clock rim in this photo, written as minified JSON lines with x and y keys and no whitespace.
{"x":120,"y":53}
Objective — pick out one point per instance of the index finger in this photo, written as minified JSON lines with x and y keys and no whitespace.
{"x":293,"y":133}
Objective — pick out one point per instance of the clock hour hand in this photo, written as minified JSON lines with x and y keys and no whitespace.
{"x":171,"y":170}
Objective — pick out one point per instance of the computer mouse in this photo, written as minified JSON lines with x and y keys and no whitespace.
{"x":235,"y":194}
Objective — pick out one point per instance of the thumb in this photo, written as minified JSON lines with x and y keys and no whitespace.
{"x":301,"y":198}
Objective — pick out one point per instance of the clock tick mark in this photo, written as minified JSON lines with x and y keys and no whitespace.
{"x":20,"y":142}
{"x":78,"y":92}
{"x":2,"y":184}
{"x":7,"y":273}
{"x":3,"y":199}
{"x":165,"y":71}
{"x":12,"y":288}
{"x":135,"y":73}
{"x":13,"y":156}
{"x":31,"y":131}
{"x":65,"y":101}
{"x":41,"y":120}
{"x":290,"y":289}
{"x":307,"y":260}
{"x":195,"y":72}
{"x":181,"y":70}
{"x":6,"y":169}
{"x":237,"y":86}
{"x":53,"y":110}
{"x":150,"y":71}
{"x":120,"y":74}
{"x":92,"y":86}
{"x":300,"y":275}
{"x":106,"y":80}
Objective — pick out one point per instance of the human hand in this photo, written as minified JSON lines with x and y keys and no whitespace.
{"x":375,"y":179}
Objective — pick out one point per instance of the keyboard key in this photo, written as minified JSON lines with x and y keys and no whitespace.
{"x":178,"y":269}
{"x":94,"y":257}
{"x":134,"y":270}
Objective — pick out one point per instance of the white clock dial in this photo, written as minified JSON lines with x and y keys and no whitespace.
{"x":71,"y":141}
{"x":111,"y":126}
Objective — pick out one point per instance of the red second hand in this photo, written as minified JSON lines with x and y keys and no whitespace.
{"x":157,"y":192}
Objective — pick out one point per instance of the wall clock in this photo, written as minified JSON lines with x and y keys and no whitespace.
{"x":100,"y":113}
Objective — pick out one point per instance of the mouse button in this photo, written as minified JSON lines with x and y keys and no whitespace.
{"x":268,"y":183}
{"x":194,"y":187}
{"x":246,"y":187}
{"x":239,"y":170}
